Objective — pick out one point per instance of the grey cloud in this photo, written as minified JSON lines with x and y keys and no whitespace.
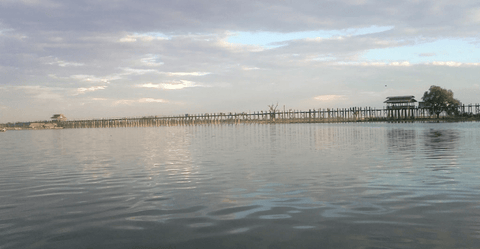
{"x":184,"y":16}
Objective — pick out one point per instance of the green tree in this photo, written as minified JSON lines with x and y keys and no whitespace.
{"x":438,"y":100}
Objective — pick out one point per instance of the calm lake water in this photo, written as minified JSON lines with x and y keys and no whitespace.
{"x":372,"y":185}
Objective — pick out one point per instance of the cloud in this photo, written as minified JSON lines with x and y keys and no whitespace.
{"x":34,"y":3}
{"x":134,"y":101}
{"x":136,"y":71}
{"x":250,"y":68}
{"x":447,"y":63}
{"x":473,"y":15}
{"x":98,"y":99}
{"x":151,"y":61}
{"x":42,"y":93}
{"x":373,"y":64}
{"x":141,"y":37}
{"x":139,"y":71}
{"x":55,"y":61}
{"x":151,"y":100}
{"x":405,"y":64}
{"x":90,"y":78}
{"x":187,"y":73}
{"x":329,"y":98}
{"x":174,"y":85}
{"x":143,"y":20}
{"x":401,"y":64}
{"x":83,"y":90}
{"x":276,"y":39}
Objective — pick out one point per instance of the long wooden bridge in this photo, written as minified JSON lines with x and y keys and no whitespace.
{"x":355,"y":114}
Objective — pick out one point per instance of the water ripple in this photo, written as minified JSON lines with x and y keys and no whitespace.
{"x":265,"y":186}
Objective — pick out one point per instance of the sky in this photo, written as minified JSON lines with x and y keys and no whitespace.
{"x":120,"y":58}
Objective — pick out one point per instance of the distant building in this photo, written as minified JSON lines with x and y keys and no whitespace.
{"x":400,"y":102}
{"x":400,"y":106}
{"x":59,"y":117}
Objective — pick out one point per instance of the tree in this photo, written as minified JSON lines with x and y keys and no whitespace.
{"x":272,"y":110}
{"x":438,"y":100}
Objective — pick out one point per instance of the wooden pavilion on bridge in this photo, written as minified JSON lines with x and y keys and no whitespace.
{"x":400,"y":106}
{"x":58,"y":118}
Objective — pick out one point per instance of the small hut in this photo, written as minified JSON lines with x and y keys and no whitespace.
{"x":400,"y":101}
{"x":400,"y":106}
{"x":58,"y":118}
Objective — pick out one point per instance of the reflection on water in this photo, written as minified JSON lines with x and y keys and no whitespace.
{"x":441,"y":143}
{"x":401,"y":140}
{"x":372,"y":185}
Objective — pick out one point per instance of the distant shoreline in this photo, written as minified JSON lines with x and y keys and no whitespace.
{"x":21,"y":128}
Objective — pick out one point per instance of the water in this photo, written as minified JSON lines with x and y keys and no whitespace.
{"x":374,"y":185}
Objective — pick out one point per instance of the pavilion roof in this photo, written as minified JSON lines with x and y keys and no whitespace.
{"x":400,"y":99}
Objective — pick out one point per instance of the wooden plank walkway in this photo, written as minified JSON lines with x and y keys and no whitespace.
{"x":354,"y":114}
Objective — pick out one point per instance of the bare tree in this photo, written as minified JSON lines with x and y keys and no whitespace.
{"x":272,"y":110}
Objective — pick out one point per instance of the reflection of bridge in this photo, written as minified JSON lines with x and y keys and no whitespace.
{"x":291,"y":116}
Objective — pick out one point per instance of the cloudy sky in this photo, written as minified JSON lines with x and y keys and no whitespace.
{"x":122,"y":58}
